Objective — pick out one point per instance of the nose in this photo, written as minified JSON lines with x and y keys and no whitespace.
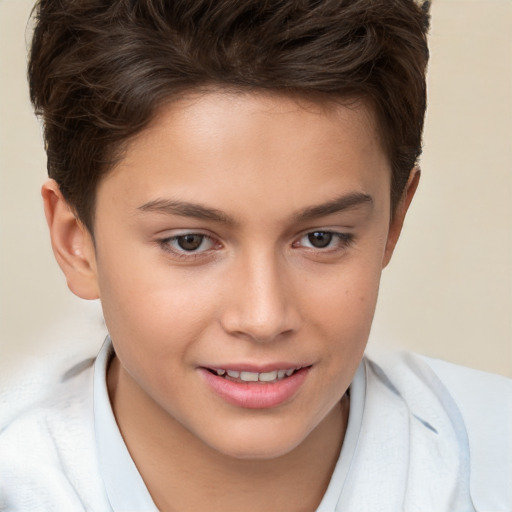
{"x":260,"y":306}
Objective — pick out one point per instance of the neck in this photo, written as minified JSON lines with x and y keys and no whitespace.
{"x":183,"y":473}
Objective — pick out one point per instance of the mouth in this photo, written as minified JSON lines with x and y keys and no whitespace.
{"x":256,"y":390}
{"x":261,"y":377}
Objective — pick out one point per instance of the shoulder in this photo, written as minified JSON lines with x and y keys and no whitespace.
{"x":485,"y":403}
{"x":478,"y":404}
{"x":470,"y":391}
{"x":47,"y":451}
{"x":471,"y":386}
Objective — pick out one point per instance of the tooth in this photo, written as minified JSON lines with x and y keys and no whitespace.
{"x":268,"y":376}
{"x":220,"y":372}
{"x":248,"y":376}
{"x":281,"y":374}
{"x":289,"y":372}
{"x":234,"y":374}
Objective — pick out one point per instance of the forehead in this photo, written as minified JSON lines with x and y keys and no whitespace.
{"x":230,"y":114}
{"x":219,"y":146}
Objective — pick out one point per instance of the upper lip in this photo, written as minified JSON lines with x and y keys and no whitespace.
{"x":263,"y":368}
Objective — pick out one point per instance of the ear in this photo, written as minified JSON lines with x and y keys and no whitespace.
{"x":72,"y":243}
{"x":397,"y":221}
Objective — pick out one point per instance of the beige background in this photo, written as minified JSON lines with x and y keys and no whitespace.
{"x":448,"y":291}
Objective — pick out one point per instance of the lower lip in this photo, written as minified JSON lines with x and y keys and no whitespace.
{"x":256,"y":395}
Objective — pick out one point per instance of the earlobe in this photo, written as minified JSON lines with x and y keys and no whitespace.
{"x":400,"y":212}
{"x":72,"y":243}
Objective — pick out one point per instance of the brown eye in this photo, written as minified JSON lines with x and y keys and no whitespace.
{"x":190,"y":242}
{"x":189,"y":245}
{"x":320,"y":239}
{"x":325,"y":242}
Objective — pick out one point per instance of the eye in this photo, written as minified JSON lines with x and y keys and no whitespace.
{"x":319,"y":239}
{"x":192,"y":243}
{"x":325,"y":240}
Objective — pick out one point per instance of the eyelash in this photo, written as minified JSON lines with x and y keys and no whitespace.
{"x":165,"y":244}
{"x":344,"y":241}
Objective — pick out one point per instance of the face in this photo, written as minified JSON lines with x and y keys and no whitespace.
{"x":242,"y":239}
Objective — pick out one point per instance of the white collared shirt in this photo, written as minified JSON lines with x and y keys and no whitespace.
{"x":423,"y":436}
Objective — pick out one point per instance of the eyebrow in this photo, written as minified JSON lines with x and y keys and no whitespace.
{"x":339,"y":204}
{"x":185,"y":209}
{"x":199,"y":211}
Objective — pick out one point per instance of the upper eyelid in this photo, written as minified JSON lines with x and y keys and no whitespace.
{"x":181,"y":235}
{"x":187,"y":233}
{"x":177,"y":232}
{"x":339,"y":234}
{"x":166,"y":235}
{"x":346,"y":232}
{"x":164,"y":240}
{"x":170,"y":235}
{"x":344,"y":238}
{"x":335,"y":231}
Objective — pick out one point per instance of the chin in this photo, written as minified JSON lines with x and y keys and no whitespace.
{"x":258,"y":443}
{"x":257,"y":451}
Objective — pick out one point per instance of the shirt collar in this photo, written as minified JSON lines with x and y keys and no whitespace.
{"x":124,"y":485}
{"x":334,"y":491}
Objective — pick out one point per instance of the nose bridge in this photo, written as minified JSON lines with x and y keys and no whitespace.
{"x":260,"y":306}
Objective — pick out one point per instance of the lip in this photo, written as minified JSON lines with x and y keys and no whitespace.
{"x":256,"y":395}
{"x":247,"y":367}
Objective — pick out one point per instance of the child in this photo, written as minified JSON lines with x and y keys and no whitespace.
{"x":230,"y":178}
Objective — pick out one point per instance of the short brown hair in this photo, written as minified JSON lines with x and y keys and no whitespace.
{"x":99,"y":69}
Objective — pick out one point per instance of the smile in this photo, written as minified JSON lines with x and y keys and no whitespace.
{"x":244,"y":376}
{"x":255,"y":390}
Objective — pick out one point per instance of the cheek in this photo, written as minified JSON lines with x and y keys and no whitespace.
{"x":341,"y":314}
{"x":347,"y":298}
{"x":148,"y":306}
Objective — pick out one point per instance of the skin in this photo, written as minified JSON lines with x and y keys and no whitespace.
{"x":256,"y":290}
